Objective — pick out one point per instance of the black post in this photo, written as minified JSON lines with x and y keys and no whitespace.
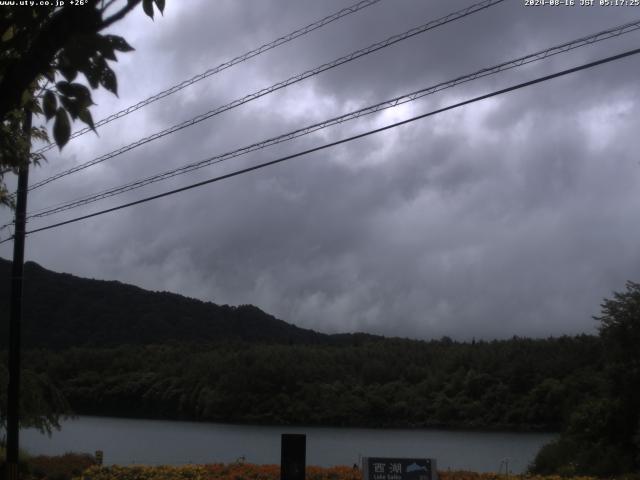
{"x":293,"y":455}
{"x":13,"y":394}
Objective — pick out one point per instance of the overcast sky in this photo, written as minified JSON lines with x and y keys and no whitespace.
{"x":511,"y":216}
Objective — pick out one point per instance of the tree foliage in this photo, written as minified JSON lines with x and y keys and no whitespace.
{"x":43,"y":50}
{"x":602,"y":435}
{"x":378,"y":382}
{"x":41,"y":402}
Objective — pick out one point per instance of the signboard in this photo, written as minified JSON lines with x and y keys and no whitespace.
{"x":379,"y":468}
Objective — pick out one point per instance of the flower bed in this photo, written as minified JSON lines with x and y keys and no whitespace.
{"x":246,"y":471}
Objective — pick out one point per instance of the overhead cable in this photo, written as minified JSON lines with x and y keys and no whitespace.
{"x":339,"y":142}
{"x":533,"y":57}
{"x":223,"y":66}
{"x":285,"y":83}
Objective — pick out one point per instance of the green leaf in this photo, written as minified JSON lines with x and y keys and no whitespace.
{"x":93,"y":75}
{"x":8,"y":33}
{"x":119,"y":43}
{"x":71,"y":105}
{"x":160,"y":5}
{"x":74,"y":97}
{"x":107,"y":52}
{"x":85,"y":116}
{"x":78,"y":51}
{"x":147,"y":6}
{"x":82,"y":93}
{"x":61,"y":128}
{"x":64,"y":88}
{"x":69,"y":73}
{"x":108,"y":80}
{"x":101,"y":45}
{"x":49,"y":104}
{"x":39,"y":133}
{"x":66,"y":68}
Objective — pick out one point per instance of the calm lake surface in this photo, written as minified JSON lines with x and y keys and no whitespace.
{"x":154,"y":442}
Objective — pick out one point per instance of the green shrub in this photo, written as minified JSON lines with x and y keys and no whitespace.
{"x":569,"y":457}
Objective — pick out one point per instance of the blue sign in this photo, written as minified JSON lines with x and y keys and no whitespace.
{"x":380,"y":468}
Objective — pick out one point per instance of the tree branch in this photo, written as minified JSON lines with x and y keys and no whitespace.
{"x":131,"y":4}
{"x":104,"y":7}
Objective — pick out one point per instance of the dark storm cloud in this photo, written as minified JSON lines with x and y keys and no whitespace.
{"x":513,"y":216}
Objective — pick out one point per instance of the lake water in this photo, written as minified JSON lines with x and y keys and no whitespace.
{"x":154,"y":442}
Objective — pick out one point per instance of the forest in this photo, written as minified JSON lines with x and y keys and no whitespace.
{"x":118,"y":350}
{"x":515,"y":384}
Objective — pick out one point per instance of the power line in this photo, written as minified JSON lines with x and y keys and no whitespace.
{"x":533,"y":57}
{"x":285,"y":83}
{"x":223,"y":66}
{"x":345,"y":140}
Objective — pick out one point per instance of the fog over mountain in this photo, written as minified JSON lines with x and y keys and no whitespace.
{"x":511,"y":216}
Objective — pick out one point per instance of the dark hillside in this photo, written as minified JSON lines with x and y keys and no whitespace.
{"x":115,"y":349}
{"x":62,"y":310}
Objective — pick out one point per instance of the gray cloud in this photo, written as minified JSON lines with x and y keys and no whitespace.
{"x":513,"y":216}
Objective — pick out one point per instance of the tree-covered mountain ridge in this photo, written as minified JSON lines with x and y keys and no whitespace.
{"x":106,"y":348}
{"x":116,"y":349}
{"x":62,"y":310}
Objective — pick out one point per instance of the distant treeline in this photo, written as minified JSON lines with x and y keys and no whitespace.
{"x":516,"y":384}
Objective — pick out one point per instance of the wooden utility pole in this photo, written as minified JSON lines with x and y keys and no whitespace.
{"x":15,"y":316}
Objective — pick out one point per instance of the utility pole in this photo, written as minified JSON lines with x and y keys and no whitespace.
{"x":15,"y":317}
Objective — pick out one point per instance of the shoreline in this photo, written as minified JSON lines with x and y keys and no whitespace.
{"x":504,"y":429}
